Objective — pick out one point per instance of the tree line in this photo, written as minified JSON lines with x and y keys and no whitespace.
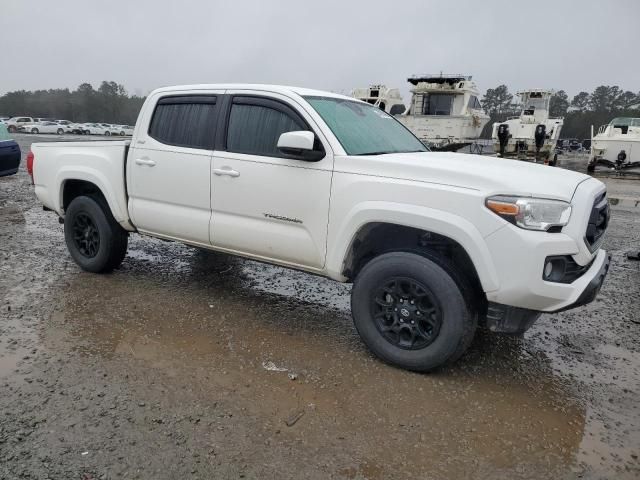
{"x":110,"y":103}
{"x":583,"y":110}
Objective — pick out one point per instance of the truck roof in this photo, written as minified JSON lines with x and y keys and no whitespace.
{"x":286,"y":90}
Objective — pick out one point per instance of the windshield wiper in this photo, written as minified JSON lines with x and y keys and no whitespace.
{"x":373,"y":153}
{"x":387,"y":152}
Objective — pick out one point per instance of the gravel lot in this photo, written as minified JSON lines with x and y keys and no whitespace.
{"x":186,"y":364}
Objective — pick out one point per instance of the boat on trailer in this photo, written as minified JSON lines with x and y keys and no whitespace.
{"x":532,"y":135}
{"x":616,"y":146}
{"x":444,"y":112}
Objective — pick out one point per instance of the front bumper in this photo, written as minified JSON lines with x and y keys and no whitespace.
{"x":513,"y":320}
{"x":592,"y":289}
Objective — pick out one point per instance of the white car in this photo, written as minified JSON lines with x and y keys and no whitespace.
{"x":96,"y":129}
{"x":433,"y":242}
{"x":15,"y":123}
{"x":44,"y":127}
{"x":74,"y":128}
{"x":122,"y":130}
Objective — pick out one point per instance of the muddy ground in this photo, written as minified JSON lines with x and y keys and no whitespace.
{"x":185,"y":364}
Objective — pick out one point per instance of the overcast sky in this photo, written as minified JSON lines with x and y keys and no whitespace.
{"x":331,"y":45}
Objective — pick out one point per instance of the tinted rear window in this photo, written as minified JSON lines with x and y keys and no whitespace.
{"x":185,"y":121}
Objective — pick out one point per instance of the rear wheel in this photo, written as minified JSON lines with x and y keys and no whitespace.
{"x":60,"y":131}
{"x":411,"y":312}
{"x":94,"y":239}
{"x":107,"y":133}
{"x":12,"y":129}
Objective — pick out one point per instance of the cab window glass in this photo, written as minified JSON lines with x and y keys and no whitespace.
{"x":185,"y":121}
{"x":255,"y":129}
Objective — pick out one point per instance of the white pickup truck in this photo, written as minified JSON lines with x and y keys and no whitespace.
{"x":433,"y":242}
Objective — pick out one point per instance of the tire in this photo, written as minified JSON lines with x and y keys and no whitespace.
{"x":554,"y":162}
{"x":60,"y":131}
{"x":107,"y":133}
{"x":122,"y":134}
{"x":35,"y":131}
{"x":12,"y":129}
{"x":453,"y":324}
{"x":109,"y":245}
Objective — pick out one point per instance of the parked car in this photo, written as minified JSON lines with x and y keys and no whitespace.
{"x":122,"y":130}
{"x":127,"y":130}
{"x":432,"y":241}
{"x":14,"y":123}
{"x":9,"y":153}
{"x":43,"y":127}
{"x":95,"y":129}
{"x":74,"y":128}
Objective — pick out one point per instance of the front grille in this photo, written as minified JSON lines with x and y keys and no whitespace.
{"x":598,"y":223}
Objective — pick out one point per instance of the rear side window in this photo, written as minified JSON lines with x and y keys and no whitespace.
{"x":255,"y":125}
{"x":185,"y":121}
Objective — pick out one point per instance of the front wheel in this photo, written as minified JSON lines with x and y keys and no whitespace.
{"x":94,"y":239}
{"x":108,"y":134}
{"x":411,"y":312}
{"x":60,"y":131}
{"x":35,"y":130}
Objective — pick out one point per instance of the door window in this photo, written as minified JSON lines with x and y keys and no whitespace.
{"x":185,"y":121}
{"x":255,"y":126}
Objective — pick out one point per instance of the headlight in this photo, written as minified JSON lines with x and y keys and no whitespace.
{"x":531,"y":213}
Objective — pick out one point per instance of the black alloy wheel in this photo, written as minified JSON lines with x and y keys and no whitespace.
{"x":86,"y":235}
{"x":407,"y":314}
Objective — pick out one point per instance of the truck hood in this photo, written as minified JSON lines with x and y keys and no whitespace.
{"x":490,"y":175}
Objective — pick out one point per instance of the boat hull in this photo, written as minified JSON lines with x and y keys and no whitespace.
{"x":445,"y":132}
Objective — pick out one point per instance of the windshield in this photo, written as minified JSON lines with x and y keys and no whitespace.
{"x":625,"y":122}
{"x":4,"y":135}
{"x":363,"y":129}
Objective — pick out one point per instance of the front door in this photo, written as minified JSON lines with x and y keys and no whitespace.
{"x":266,"y":204}
{"x":169,"y":168}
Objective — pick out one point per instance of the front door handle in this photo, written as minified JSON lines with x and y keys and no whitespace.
{"x":226,"y":171}
{"x":145,"y":161}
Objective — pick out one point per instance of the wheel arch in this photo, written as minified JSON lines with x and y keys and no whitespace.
{"x":86,"y":182}
{"x":410,"y":228}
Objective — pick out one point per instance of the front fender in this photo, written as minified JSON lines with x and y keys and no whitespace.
{"x":425,"y":218}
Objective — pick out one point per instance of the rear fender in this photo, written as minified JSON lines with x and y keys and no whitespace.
{"x":116,"y":201}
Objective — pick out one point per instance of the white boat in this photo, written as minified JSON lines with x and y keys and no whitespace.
{"x":616,"y":145}
{"x":444,"y":112}
{"x":383,"y":97}
{"x":532,"y":135}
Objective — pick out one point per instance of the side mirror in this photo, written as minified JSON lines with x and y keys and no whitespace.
{"x":296,"y":141}
{"x":300,"y":145}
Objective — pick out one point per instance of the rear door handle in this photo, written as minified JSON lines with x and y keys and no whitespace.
{"x":145,"y":161}
{"x":226,"y":171}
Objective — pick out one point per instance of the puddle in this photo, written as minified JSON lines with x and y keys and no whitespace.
{"x":222,"y":330}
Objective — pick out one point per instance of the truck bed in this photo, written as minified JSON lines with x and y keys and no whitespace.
{"x":101,"y":162}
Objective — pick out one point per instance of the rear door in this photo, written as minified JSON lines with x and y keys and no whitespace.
{"x":266,"y":204}
{"x":169,"y":167}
